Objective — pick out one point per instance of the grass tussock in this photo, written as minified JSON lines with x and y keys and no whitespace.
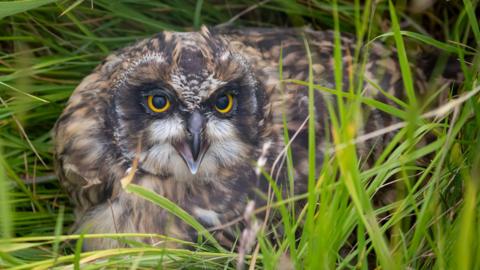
{"x":47,"y":47}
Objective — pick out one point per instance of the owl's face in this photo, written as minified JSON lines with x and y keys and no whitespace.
{"x":187,"y":106}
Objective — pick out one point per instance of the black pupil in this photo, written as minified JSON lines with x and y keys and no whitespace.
{"x":222,"y":102}
{"x":159,"y":102}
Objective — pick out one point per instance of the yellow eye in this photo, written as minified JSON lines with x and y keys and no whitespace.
{"x":224,"y":103}
{"x":158,"y":103}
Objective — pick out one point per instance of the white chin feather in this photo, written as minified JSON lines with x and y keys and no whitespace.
{"x":164,"y":130}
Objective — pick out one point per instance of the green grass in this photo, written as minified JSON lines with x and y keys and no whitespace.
{"x":47,"y":47}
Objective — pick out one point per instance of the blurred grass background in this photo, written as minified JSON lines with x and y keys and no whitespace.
{"x":47,"y":47}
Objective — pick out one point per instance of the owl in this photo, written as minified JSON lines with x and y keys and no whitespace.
{"x":202,"y":114}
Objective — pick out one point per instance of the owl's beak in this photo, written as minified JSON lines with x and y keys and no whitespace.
{"x":193,"y":149}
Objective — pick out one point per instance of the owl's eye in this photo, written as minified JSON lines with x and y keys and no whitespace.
{"x":158,"y":103}
{"x":224,"y":103}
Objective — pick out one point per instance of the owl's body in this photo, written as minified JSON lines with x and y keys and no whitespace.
{"x":189,"y":147}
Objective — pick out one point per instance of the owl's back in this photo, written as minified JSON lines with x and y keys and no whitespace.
{"x":282,"y":59}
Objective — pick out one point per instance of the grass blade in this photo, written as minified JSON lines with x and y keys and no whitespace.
{"x":13,"y":7}
{"x":174,"y":209}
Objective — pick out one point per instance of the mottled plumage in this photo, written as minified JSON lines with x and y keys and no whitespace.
{"x":214,"y":175}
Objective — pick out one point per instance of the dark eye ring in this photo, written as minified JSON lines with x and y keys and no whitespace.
{"x":158,"y":103}
{"x":224,"y":103}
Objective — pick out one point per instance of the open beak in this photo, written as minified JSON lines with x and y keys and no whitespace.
{"x":193,"y":149}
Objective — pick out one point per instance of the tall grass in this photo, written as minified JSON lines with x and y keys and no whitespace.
{"x":47,"y":47}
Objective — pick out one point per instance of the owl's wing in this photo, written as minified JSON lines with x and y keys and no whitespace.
{"x":266,"y":48}
{"x":85,"y":161}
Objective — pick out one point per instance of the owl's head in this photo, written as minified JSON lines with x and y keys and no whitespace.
{"x":191,"y":102}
